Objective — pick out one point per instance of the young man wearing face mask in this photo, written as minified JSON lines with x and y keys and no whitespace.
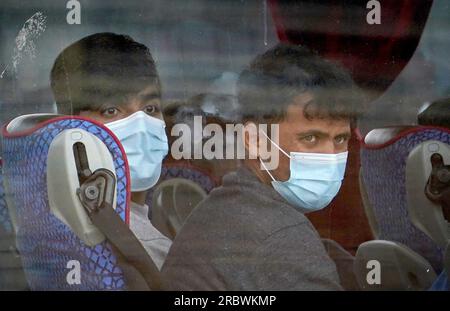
{"x":251,"y":233}
{"x":113,"y":79}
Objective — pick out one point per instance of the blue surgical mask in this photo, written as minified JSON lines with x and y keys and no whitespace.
{"x":145,"y":143}
{"x":315,"y":179}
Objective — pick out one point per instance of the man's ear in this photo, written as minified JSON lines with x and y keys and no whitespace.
{"x":250,"y":139}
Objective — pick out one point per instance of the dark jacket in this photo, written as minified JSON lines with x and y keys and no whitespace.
{"x":245,"y":236}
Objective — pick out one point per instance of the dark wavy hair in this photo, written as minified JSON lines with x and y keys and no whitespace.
{"x":271,"y":82}
{"x":101,"y":68}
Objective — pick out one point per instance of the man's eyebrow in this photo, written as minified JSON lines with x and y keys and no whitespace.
{"x":345,"y":134}
{"x":112,"y":103}
{"x":312,"y":132}
{"x":149,"y":96}
{"x":322,"y":134}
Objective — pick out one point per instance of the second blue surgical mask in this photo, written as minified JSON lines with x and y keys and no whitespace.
{"x":315,"y":179}
{"x":145,"y":142}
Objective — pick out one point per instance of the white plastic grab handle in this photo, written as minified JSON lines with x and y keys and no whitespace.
{"x":62,"y":180}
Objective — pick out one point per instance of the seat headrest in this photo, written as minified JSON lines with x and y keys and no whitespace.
{"x":28,"y":121}
{"x":383,"y":135}
{"x":436,"y":113}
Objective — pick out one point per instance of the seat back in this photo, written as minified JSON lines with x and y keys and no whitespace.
{"x":46,"y":243}
{"x":447,"y":261}
{"x":427,"y":190}
{"x":172,"y":202}
{"x":182,"y":171}
{"x":11,"y":271}
{"x":386,"y":265}
{"x":442,"y":283}
{"x":384,"y":156}
{"x":5,"y":220}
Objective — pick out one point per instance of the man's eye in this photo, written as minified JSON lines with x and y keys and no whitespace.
{"x":310,"y":139}
{"x":340,"y":140}
{"x":151,"y":109}
{"x":110,"y":112}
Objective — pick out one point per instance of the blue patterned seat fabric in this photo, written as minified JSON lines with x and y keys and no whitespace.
{"x":383,"y":172}
{"x":44,"y":242}
{"x":5,"y":221}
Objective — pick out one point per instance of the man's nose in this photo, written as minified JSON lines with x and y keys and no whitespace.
{"x":133,"y":108}
{"x":329,"y":147}
{"x":129,"y":113}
